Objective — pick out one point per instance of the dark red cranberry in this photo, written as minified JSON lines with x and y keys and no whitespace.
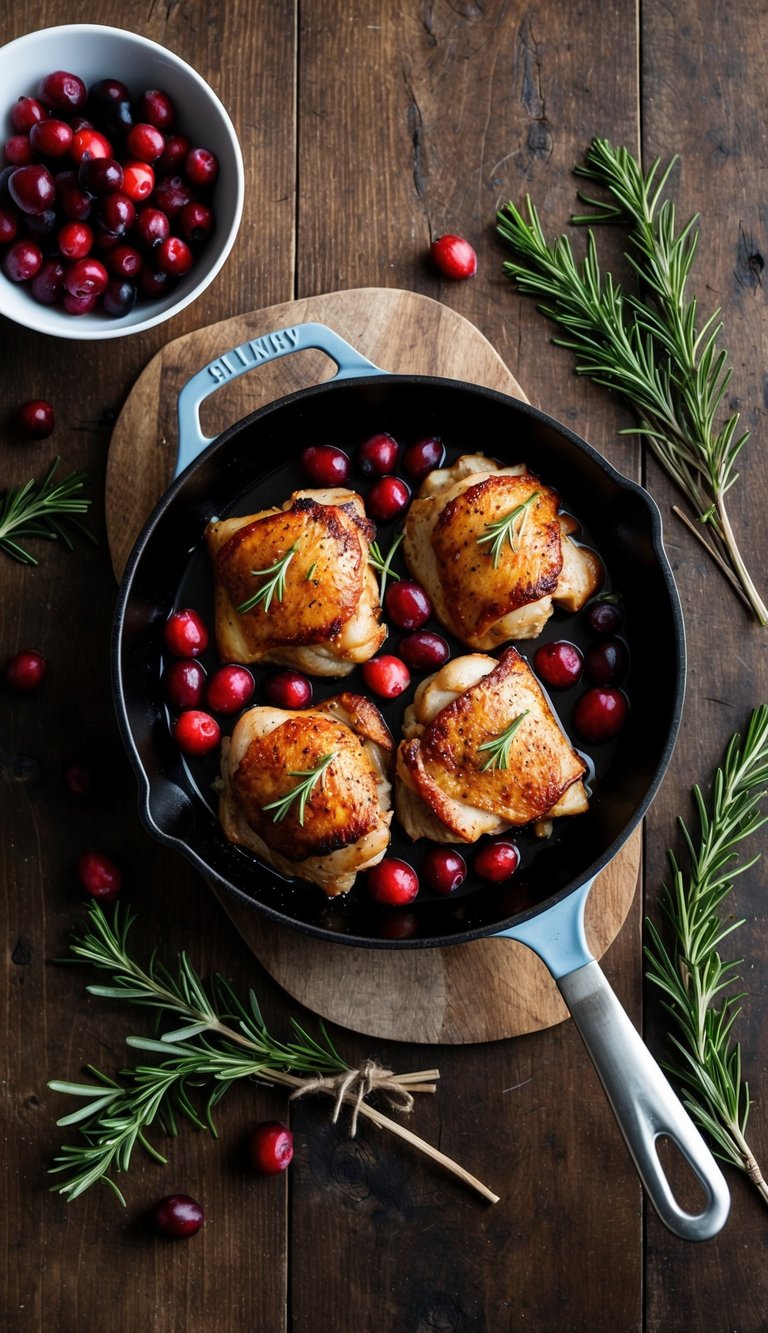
{"x":5,"y":176}
{"x":60,"y":91}
{"x":423,"y":457}
{"x":89,"y":143}
{"x":116,"y":214}
{"x":119,"y":298}
{"x":85,"y":277}
{"x":496,"y":861}
{"x":184,"y":683}
{"x":174,"y":155}
{"x":201,"y":167}
{"x":386,"y":676}
{"x":407,"y":604}
{"x":42,"y":227}
{"x":454,"y":257}
{"x":144,"y":142}
{"x":185,"y":633}
{"x":393,"y":882}
{"x":153,"y":282}
{"x":51,"y":138}
{"x":25,"y":113}
{"x":9,"y":225}
{"x":156,"y":107}
{"x":171,"y":195}
{"x":80,"y":305}
{"x":22,"y":260}
{"x":109,"y":102}
{"x":174,"y":257}
{"x":18,"y":150}
{"x":75,"y":240}
{"x":138,"y":181}
{"x":32,"y":188}
{"x":25,"y":671}
{"x":325,"y":465}
{"x":605,"y":615}
{"x":387,"y":498}
{"x":124,"y":261}
{"x":288,"y":689}
{"x":600,"y":714}
{"x":47,"y":286}
{"x":229,"y":689}
{"x":177,"y":1216}
{"x":71,"y":197}
{"x":152,"y":227}
{"x":36,"y":419}
{"x":100,"y":175}
{"x":99,"y":875}
{"x":195,"y":222}
{"x":78,"y":778}
{"x":558,"y":664}
{"x":424,"y":651}
{"x":196,"y":732}
{"x":377,"y":456}
{"x":117,"y":118}
{"x":106,"y":91}
{"x":606,"y":662}
{"x":443,"y":869}
{"x":270,"y":1147}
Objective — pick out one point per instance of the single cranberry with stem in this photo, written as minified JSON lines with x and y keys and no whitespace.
{"x":185,"y":633}
{"x":442,"y":869}
{"x":99,"y":876}
{"x":407,"y":604}
{"x":325,"y":465}
{"x":51,"y":138}
{"x":36,"y":419}
{"x":156,"y":107}
{"x":392,"y":882}
{"x":605,"y":615}
{"x":454,"y":257}
{"x":270,"y":1147}
{"x":25,"y":671}
{"x":377,"y":456}
{"x":424,"y":650}
{"x":196,"y":732}
{"x":606,"y":662}
{"x":174,"y":256}
{"x":62,"y":91}
{"x":288,"y":689}
{"x":184,"y":683}
{"x":201,"y":166}
{"x":32,"y":188}
{"x":25,"y":113}
{"x":559,"y":663}
{"x":386,"y":676}
{"x":229,"y":689}
{"x":177,"y":1216}
{"x":387,"y":498}
{"x":423,"y":457}
{"x":496,"y":861}
{"x":600,"y":713}
{"x":75,"y":240}
{"x":22,"y":260}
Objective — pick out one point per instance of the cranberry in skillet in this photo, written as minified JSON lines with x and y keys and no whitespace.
{"x":387,"y":498}
{"x":376,"y":456}
{"x":600,"y":714}
{"x":443,"y":869}
{"x":558,"y":664}
{"x":229,"y":689}
{"x":325,"y":465}
{"x":393,"y":882}
{"x":185,"y":633}
{"x":423,"y":457}
{"x":386,"y":676}
{"x":497,"y":861}
{"x":407,"y":605}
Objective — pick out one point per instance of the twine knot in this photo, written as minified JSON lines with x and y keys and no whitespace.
{"x":354,"y":1085}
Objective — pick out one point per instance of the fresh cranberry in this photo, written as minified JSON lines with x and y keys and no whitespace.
{"x":177,"y":1216}
{"x":47,"y":286}
{"x":100,"y":876}
{"x":71,"y":198}
{"x":171,"y":195}
{"x":185,"y":633}
{"x":25,"y":113}
{"x":138,"y":181}
{"x":387,"y":676}
{"x":32,"y":188}
{"x":144,"y":142}
{"x":80,"y":305}
{"x":152,"y":227}
{"x":201,"y":167}
{"x":51,"y":138}
{"x":270,"y":1147}
{"x":86,"y":277}
{"x":78,"y":778}
{"x":42,"y":226}
{"x":558,"y":664}
{"x":377,"y":456}
{"x":154,"y":282}
{"x":325,"y":465}
{"x":18,"y":150}
{"x":604,"y":616}
{"x":424,"y":651}
{"x":229,"y":689}
{"x":119,"y":297}
{"x":174,"y":257}
{"x":174,"y":156}
{"x":497,"y":861}
{"x":387,"y":498}
{"x":407,"y":604}
{"x":36,"y":419}
{"x":156,"y":107}
{"x":60,"y":91}
{"x":101,"y":175}
{"x":423,"y":457}
{"x":442,"y":869}
{"x":116,"y":214}
{"x":195,"y":221}
{"x":600,"y":714}
{"x":22,"y":260}
{"x":89,"y":143}
{"x":393,"y":882}
{"x":124,"y":261}
{"x":25,"y":671}
{"x":288,"y":689}
{"x":184,"y":683}
{"x":454,"y":257}
{"x":109,"y":103}
{"x":606,"y":662}
{"x":75,"y":240}
{"x":9,"y":225}
{"x":106,"y":91}
{"x":196,"y":732}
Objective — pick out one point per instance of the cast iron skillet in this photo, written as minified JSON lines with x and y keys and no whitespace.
{"x":254,"y":464}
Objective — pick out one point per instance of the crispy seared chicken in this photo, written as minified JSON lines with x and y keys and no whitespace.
{"x":319,"y":607}
{"x":456,"y":777}
{"x":494,"y":553}
{"x":337,"y":824}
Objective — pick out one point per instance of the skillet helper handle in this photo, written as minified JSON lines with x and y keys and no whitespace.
{"x":644,"y":1104}
{"x":249,"y":356}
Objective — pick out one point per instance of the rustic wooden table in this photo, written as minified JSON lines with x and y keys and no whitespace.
{"x":368,"y":128}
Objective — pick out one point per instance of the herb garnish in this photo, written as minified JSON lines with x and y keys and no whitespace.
{"x":42,"y":509}
{"x":276,"y":585}
{"x":499,"y":746}
{"x":301,"y":793}
{"x":509,"y":528}
{"x":383,"y":564}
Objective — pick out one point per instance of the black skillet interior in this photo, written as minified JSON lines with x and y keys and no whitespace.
{"x":255,"y":464}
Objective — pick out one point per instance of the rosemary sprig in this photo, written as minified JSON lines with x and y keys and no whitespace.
{"x":500,"y":745}
{"x":302,"y":792}
{"x":383,"y":564}
{"x":42,"y":509}
{"x":275,"y":586}
{"x":696,"y":983}
{"x":509,"y":528}
{"x":651,"y":348}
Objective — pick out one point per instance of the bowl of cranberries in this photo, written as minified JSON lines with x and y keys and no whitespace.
{"x":121,"y":183}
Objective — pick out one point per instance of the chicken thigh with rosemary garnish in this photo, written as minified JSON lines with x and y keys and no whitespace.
{"x":295,"y":585}
{"x":484,"y":752}
{"x":308,"y":792}
{"x":494,"y":553}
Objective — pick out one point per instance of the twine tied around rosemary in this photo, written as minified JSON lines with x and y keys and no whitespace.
{"x":355,"y":1085}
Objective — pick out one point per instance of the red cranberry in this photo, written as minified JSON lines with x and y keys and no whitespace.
{"x":144,"y":142}
{"x":195,"y":221}
{"x":377,"y":456}
{"x":36,"y":419}
{"x":78,"y":778}
{"x":288,"y":689}
{"x":75,"y":240}
{"x":558,"y":664}
{"x":22,"y":260}
{"x":156,"y":107}
{"x":61,"y":91}
{"x":9,"y":225}
{"x":393,"y":882}
{"x":32,"y":188}
{"x":174,"y":156}
{"x":454,"y":257}
{"x":80,"y":305}
{"x":229,"y":689}
{"x":110,"y":105}
{"x":174,"y":257}
{"x":124,"y":261}
{"x":25,"y":113}
{"x":407,"y":604}
{"x":443,"y":870}
{"x":71,"y":197}
{"x":387,"y":498}
{"x":424,"y":651}
{"x":171,"y":195}
{"x":106,"y":91}
{"x":184,"y":683}
{"x":119,"y":297}
{"x":25,"y":671}
{"x":100,"y":876}
{"x":423,"y":457}
{"x":90,"y":143}
{"x":154,"y":282}
{"x":85,"y":277}
{"x":185,"y":633}
{"x":18,"y":150}
{"x":325,"y":465}
{"x":604,"y":616}
{"x":116,"y":214}
{"x":51,"y":138}
{"x":177,"y":1216}
{"x":270,"y":1147}
{"x":606,"y":662}
{"x":386,"y":676}
{"x":42,"y":226}
{"x":100,"y":175}
{"x":201,"y":167}
{"x":138,"y":181}
{"x":497,"y":861}
{"x":47,"y":286}
{"x":152,"y":227}
{"x":600,"y":714}
{"x":196,"y":732}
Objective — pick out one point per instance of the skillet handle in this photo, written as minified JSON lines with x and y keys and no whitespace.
{"x":248,"y":356}
{"x":643,"y":1102}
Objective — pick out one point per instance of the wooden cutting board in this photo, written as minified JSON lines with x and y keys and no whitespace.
{"x":481,"y":991}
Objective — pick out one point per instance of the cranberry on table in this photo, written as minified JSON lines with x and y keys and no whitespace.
{"x":424,"y":650}
{"x":606,"y":662}
{"x":196,"y":732}
{"x":377,"y":455}
{"x":423,"y":457}
{"x":201,"y":166}
{"x":599,"y":714}
{"x":177,"y":1216}
{"x":36,"y":419}
{"x":32,"y":188}
{"x":558,"y":664}
{"x":497,"y":861}
{"x":61,"y":91}
{"x":184,"y":683}
{"x":229,"y":689}
{"x":288,"y":689}
{"x":25,"y":671}
{"x":454,"y":256}
{"x":443,"y":869}
{"x":393,"y":882}
{"x":185,"y":633}
{"x":386,"y":676}
{"x":99,"y":875}
{"x":270,"y":1147}
{"x":604,"y":616}
{"x":407,"y":604}
{"x":325,"y":465}
{"x":387,"y":498}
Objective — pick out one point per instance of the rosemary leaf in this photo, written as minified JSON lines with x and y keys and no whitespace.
{"x":42,"y":509}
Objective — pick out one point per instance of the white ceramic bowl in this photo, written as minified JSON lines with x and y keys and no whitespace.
{"x":94,"y":52}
